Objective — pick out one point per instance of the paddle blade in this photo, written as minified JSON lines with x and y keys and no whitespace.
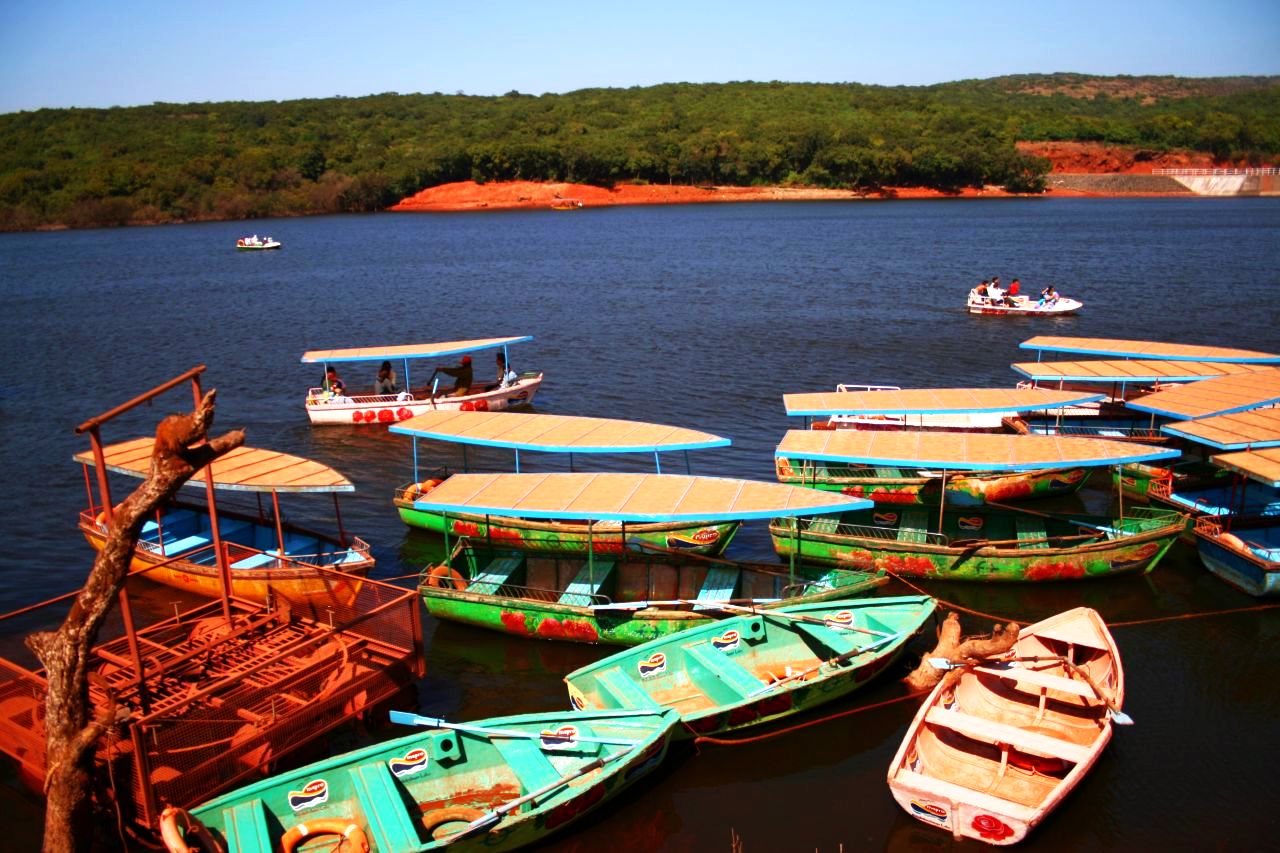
{"x":404,"y":718}
{"x":1120,"y":718}
{"x":937,"y":663}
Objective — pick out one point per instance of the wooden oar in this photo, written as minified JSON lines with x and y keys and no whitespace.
{"x":798,"y":617}
{"x":492,"y":817}
{"x":1120,"y":718}
{"x":641,"y":605}
{"x":840,"y":658}
{"x":406,"y":719}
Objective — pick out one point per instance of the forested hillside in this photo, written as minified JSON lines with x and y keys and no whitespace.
{"x":173,"y":162}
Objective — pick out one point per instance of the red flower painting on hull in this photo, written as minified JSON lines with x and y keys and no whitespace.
{"x":991,"y":828}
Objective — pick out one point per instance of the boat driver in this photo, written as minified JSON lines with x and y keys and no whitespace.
{"x":461,"y":377}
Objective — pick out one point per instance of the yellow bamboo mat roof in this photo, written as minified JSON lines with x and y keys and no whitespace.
{"x":1131,"y":370}
{"x":1261,"y":465}
{"x":926,"y":401}
{"x":1220,"y":396}
{"x":1146,"y":349}
{"x":629,"y":497}
{"x":555,"y":433}
{"x":245,"y":469}
{"x":1237,"y":431}
{"x":967,"y":451}
{"x":437,"y":350}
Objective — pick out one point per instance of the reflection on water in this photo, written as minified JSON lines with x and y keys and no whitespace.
{"x":701,"y":317}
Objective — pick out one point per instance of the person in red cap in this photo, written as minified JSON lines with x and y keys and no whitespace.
{"x":461,"y":377}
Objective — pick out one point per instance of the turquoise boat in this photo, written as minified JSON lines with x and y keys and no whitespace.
{"x":622,"y":597}
{"x":495,"y":784}
{"x":566,"y":435}
{"x":759,"y":666}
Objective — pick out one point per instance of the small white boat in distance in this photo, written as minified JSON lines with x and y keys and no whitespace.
{"x":255,"y":243}
{"x":997,"y":745}
{"x":1018,"y":306}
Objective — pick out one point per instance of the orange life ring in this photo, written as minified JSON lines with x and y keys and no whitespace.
{"x":436,"y":818}
{"x":349,"y":830}
{"x":175,"y":836}
{"x":446,"y":577}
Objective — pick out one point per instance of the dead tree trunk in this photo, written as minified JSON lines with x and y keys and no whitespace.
{"x":955,"y":650}
{"x":71,"y":729}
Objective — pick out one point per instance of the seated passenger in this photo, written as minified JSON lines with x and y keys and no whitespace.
{"x":385,"y":383}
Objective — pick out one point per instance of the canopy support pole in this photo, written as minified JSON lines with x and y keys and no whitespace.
{"x":795,"y":549}
{"x":591,"y":563}
{"x":688,"y":469}
{"x":444,"y":516}
{"x":570,"y":463}
{"x":406,"y":385}
{"x":337,"y":514}
{"x":517,"y":460}
{"x":416,"y":478}
{"x":942,"y":500}
{"x":224,"y":568}
{"x":1120,"y":493}
{"x":275,"y":508}
{"x":657,"y":463}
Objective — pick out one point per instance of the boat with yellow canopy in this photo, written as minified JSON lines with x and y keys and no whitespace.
{"x":396,"y":399}
{"x":619,"y":598}
{"x":887,"y":407}
{"x":1122,"y":348}
{"x":181,"y":546}
{"x":566,"y":435}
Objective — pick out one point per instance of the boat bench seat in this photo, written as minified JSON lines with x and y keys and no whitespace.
{"x":914,"y":526}
{"x":823,"y":524}
{"x":725,"y":668}
{"x":233,"y":528}
{"x":385,"y":815}
{"x":1019,"y":738}
{"x":959,"y":794}
{"x":624,"y":691}
{"x":497,"y":573}
{"x":190,"y":543}
{"x":245,"y":828}
{"x":527,"y":761}
{"x":718,"y":586}
{"x":253,"y":562}
{"x":1030,"y":528}
{"x":1047,"y":680}
{"x":581,"y":591}
{"x":835,"y":641}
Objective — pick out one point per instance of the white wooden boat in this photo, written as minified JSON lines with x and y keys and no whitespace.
{"x":998,"y":745}
{"x":1019,"y":306}
{"x":325,"y":407}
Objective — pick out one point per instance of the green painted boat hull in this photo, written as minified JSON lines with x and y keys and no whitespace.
{"x":895,"y":486}
{"x":987,"y":545}
{"x":388,"y":790}
{"x":534,"y":599}
{"x":752,"y":669}
{"x":709,"y":539}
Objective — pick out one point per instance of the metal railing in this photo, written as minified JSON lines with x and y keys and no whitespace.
{"x":1249,"y":171}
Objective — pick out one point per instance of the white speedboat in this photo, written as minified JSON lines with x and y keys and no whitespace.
{"x":1021,"y":305}
{"x":255,"y":243}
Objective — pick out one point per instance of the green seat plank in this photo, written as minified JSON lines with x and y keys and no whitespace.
{"x":386,"y":818}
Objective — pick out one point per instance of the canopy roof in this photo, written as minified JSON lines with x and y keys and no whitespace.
{"x":1261,"y":465}
{"x":245,"y":469}
{"x":1220,"y":396}
{"x":1146,"y":349}
{"x":1237,"y":431}
{"x":967,"y":451}
{"x":438,"y":350}
{"x":932,"y":401}
{"x":555,"y":433}
{"x":1131,"y":370}
{"x":629,"y":497}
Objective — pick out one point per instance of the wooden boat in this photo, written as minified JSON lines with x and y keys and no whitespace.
{"x":755,"y":667}
{"x":978,"y":468}
{"x":256,"y":244}
{"x":982,"y":543}
{"x":993,"y":751}
{"x":1021,"y":306}
{"x":324,"y":407}
{"x":495,"y":784}
{"x":565,"y":435}
{"x":178,"y":547}
{"x":623,"y":597}
{"x":1121,"y":348}
{"x":886,"y":407}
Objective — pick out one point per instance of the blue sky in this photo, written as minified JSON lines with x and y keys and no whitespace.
{"x":60,"y":53}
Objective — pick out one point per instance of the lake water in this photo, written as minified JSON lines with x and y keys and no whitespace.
{"x":702,"y":317}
